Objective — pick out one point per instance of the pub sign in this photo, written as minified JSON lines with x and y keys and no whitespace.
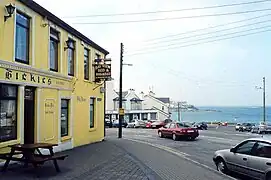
{"x":102,"y":72}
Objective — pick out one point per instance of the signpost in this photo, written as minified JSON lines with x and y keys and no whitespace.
{"x":102,"y":72}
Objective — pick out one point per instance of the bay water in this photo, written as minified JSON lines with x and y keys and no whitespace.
{"x":225,"y":114}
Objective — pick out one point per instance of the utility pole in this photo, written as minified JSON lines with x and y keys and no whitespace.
{"x":264,"y":116}
{"x":178,"y":111}
{"x":120,"y":92}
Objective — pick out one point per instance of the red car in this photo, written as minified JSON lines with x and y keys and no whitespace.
{"x":148,"y":124}
{"x":158,"y":124}
{"x":177,"y":130}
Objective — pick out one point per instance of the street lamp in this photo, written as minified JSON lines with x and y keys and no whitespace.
{"x":263,"y":88}
{"x":10,"y":10}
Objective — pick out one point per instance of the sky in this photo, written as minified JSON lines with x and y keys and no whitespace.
{"x":220,"y":73}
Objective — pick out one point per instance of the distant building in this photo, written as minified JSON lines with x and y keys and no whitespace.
{"x":146,"y":107}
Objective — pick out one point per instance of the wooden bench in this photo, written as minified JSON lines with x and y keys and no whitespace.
{"x":30,"y":157}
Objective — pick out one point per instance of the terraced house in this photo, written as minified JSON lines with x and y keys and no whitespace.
{"x":48,"y":91}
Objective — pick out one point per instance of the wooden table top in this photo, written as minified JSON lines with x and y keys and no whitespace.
{"x":33,"y":146}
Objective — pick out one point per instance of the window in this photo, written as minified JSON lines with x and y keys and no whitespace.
{"x":98,"y":56}
{"x":263,"y":150}
{"x":64,"y":117}
{"x":86,"y":64}
{"x":167,"y":125}
{"x":245,"y":148}
{"x":71,"y":50}
{"x":181,"y":125}
{"x":153,"y":116}
{"x":8,"y":112}
{"x":172,"y":125}
{"x":54,"y":40}
{"x":91,"y":113}
{"x":22,"y":38}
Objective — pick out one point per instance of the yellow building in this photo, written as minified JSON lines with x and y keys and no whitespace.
{"x":48,"y":91}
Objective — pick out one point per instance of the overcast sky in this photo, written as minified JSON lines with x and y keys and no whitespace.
{"x":218,"y":73}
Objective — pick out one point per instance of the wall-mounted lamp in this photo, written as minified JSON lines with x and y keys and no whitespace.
{"x":10,"y":10}
{"x":69,"y":44}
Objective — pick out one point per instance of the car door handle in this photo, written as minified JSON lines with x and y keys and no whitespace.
{"x":245,"y":159}
{"x":268,"y":163}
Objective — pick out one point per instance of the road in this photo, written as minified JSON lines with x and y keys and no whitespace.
{"x":199,"y":151}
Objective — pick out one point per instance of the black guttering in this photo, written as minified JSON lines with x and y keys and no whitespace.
{"x":45,"y":13}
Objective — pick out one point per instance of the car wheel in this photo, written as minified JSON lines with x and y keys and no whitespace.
{"x":221,"y":166}
{"x":174,"y":137}
{"x":160,"y":134}
{"x":134,"y":126}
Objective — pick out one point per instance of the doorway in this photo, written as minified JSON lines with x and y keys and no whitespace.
{"x":29,"y":115}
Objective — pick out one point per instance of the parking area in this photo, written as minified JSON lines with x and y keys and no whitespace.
{"x":201,"y":150}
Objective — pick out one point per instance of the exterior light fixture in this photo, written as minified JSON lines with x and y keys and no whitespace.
{"x":68,"y":44}
{"x":10,"y":10}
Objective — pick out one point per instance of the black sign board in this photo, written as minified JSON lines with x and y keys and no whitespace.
{"x":102,"y":72}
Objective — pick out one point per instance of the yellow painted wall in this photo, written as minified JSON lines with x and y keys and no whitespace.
{"x":39,"y":53}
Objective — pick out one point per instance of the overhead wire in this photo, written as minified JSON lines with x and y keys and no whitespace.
{"x":175,"y":18}
{"x":167,"y":11}
{"x":216,"y":40}
{"x":207,"y":28}
{"x":196,"y":40}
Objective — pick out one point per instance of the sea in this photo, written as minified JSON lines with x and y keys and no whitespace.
{"x":250,"y":114}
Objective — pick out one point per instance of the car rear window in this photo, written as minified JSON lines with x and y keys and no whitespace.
{"x":184,"y":125}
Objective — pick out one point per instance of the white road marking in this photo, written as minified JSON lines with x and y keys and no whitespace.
{"x":179,"y":154}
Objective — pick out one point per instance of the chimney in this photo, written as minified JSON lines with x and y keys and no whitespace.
{"x":151,"y":93}
{"x":142,"y":95}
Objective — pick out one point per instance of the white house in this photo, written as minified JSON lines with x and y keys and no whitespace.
{"x":143,"y":108}
{"x":157,"y":103}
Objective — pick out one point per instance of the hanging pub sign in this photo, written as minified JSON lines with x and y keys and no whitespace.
{"x":102,"y":72}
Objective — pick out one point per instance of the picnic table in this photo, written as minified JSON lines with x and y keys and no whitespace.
{"x":31,"y":154}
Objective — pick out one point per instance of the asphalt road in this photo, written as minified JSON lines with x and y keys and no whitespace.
{"x":200,"y":151}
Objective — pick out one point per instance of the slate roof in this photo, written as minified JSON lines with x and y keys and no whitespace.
{"x":163,"y":99}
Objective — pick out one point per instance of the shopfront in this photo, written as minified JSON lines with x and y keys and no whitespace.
{"x":34,"y":106}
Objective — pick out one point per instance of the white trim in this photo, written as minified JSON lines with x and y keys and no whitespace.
{"x":38,"y":92}
{"x":48,"y":61}
{"x":76,"y":59}
{"x":33,"y":30}
{"x":54,"y":128}
{"x":26,"y":68}
{"x":59,"y":118}
{"x":21,"y":113}
{"x":69,"y":143}
{"x":29,"y":13}
{"x":14,"y":35}
{"x":60,"y":52}
{"x":34,"y":85}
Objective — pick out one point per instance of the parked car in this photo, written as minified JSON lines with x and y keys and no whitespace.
{"x":116,"y":123}
{"x":252,"y":158}
{"x":237,"y":127}
{"x":158,"y":124}
{"x":201,"y":125}
{"x":136,"y":123}
{"x":149,"y":122}
{"x":177,"y":130}
{"x":108,"y":123}
{"x":246,"y":127}
{"x":264,"y":128}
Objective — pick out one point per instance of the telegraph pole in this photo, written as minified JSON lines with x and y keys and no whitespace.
{"x":120,"y":92}
{"x":264,"y":116}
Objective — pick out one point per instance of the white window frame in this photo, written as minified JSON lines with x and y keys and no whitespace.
{"x":32,"y":49}
{"x":60,"y":52}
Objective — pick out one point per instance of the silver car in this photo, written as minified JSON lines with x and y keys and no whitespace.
{"x":252,"y":157}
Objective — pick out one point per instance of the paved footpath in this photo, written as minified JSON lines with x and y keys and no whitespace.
{"x":116,"y":159}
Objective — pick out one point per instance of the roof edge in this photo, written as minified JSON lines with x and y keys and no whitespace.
{"x":50,"y":16}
